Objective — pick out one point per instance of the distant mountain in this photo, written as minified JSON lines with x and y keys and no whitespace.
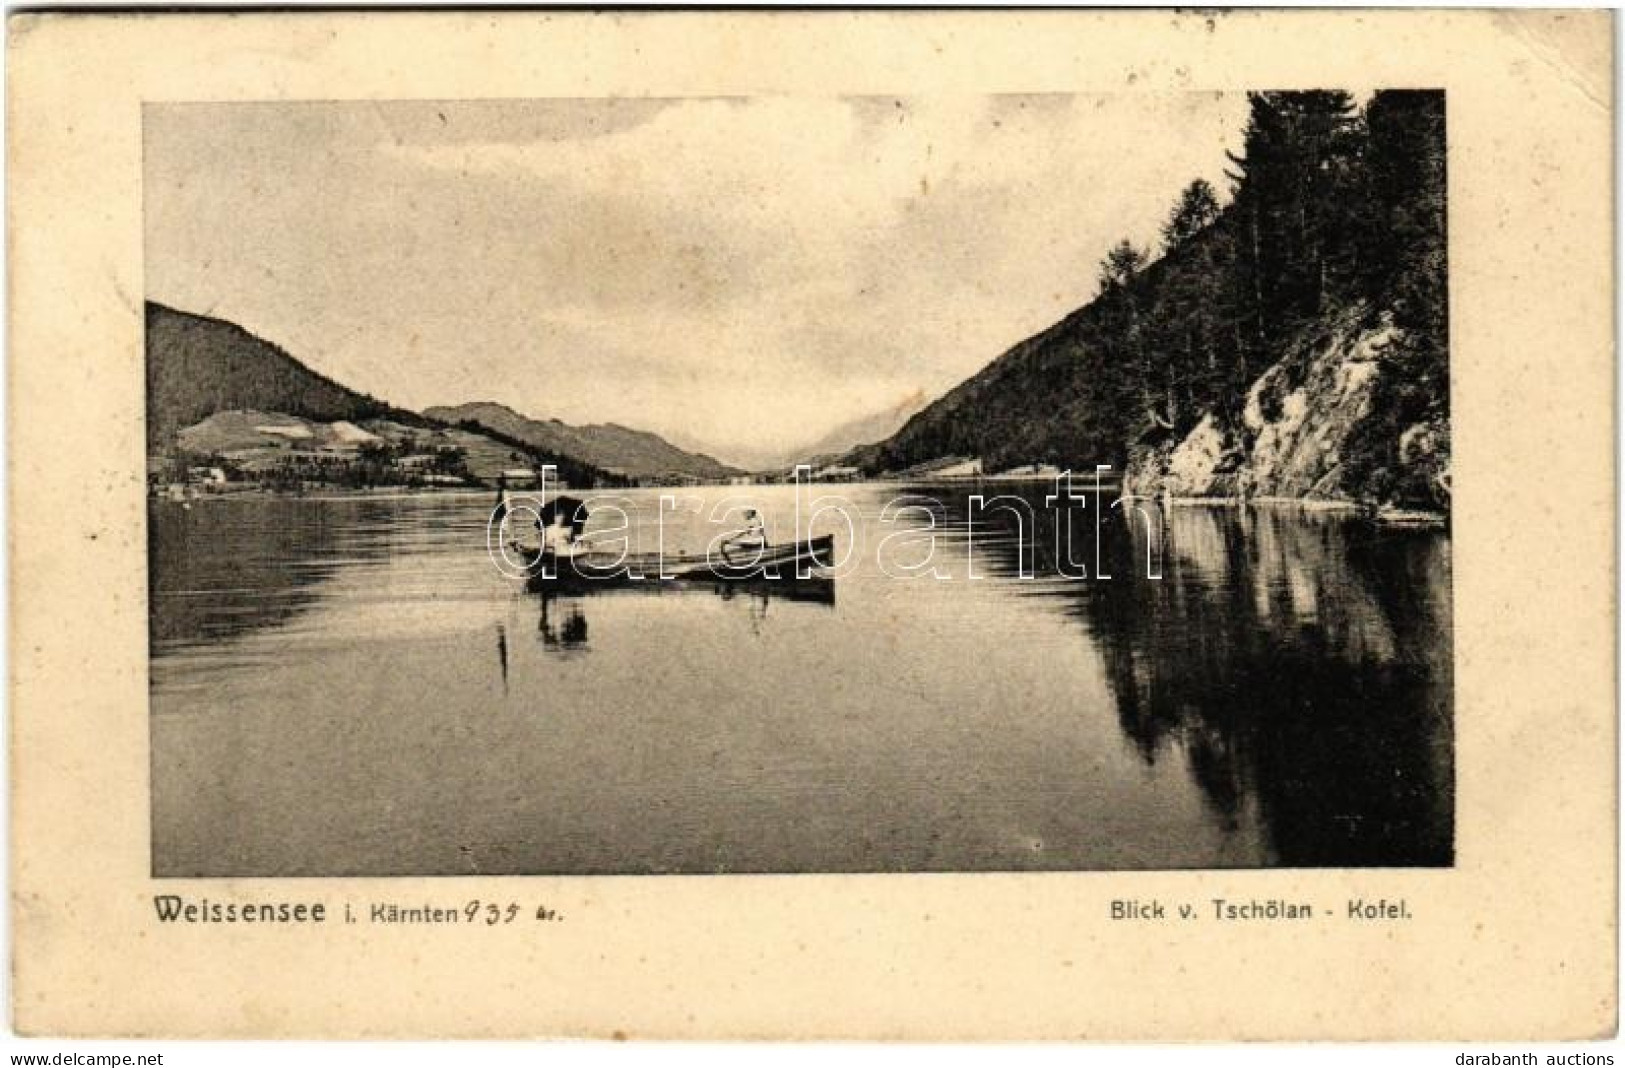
{"x":197,"y":366}
{"x":866,"y":430}
{"x":850,"y":435}
{"x":636,"y":454}
{"x":742,"y":457}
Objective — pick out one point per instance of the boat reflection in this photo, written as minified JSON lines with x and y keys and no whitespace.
{"x":563,"y":626}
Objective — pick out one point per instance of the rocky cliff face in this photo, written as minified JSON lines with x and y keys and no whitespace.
{"x":1305,"y":428}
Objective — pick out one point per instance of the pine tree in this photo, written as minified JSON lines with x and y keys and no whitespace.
{"x":1198,"y":207}
{"x":1121,"y":264}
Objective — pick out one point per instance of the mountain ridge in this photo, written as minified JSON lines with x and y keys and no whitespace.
{"x":863,"y":430}
{"x":619,"y":449}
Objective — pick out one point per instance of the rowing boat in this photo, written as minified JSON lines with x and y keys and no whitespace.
{"x":817,"y":589}
{"x":795,"y":562}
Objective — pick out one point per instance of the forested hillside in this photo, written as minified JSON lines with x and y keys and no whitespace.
{"x":1293,"y":341}
{"x":211,"y":383}
{"x":197,"y":366}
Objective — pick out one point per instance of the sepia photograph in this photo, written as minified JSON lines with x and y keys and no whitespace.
{"x":799,"y":484}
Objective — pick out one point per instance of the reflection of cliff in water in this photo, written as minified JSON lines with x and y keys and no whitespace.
{"x":221,"y":569}
{"x":1301,"y":662}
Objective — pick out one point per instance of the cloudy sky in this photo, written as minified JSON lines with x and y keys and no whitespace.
{"x":743,"y":274}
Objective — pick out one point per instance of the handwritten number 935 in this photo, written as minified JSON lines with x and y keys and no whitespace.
{"x":493,"y":913}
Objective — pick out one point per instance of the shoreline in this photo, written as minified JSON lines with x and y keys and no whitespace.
{"x":334,"y":493}
{"x":1385,"y":515}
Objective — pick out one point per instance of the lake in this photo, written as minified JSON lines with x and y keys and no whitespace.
{"x":349,"y":686}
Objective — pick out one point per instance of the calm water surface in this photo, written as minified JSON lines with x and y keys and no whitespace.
{"x":349,"y":686}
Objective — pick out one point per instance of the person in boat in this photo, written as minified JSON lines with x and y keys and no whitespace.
{"x":749,"y":539}
{"x":559,"y":537}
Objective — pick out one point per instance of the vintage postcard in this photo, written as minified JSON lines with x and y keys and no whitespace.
{"x":982,"y":525}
